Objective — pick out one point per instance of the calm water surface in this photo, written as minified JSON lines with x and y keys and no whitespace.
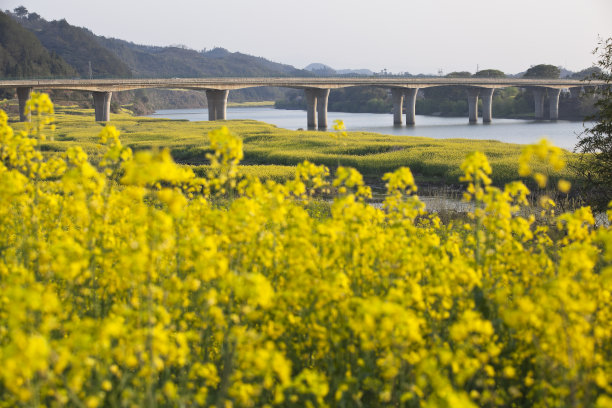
{"x":561,"y":133}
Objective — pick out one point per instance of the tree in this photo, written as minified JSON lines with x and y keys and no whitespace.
{"x":586,"y":73}
{"x":459,"y":74}
{"x":543,"y":71}
{"x":20,"y":11}
{"x":595,"y":143}
{"x":489,"y":73}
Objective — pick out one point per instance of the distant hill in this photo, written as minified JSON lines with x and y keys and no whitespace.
{"x":325,"y":70}
{"x":169,"y":62}
{"x":565,"y":73}
{"x":22,"y":54}
{"x":76,"y":51}
{"x":79,"y":47}
{"x":111,"y":57}
{"x":365,"y":72}
{"x":163,"y":62}
{"x":320,"y":69}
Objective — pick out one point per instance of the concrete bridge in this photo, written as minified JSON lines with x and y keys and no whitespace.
{"x":316,"y":92}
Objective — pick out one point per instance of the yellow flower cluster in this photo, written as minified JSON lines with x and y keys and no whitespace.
{"x":128,"y":285}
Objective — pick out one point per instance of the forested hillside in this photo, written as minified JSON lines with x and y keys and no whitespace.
{"x":22,"y":55}
{"x":111,"y":57}
{"x":77,"y":52}
{"x":79,"y":47}
{"x":164,"y":62}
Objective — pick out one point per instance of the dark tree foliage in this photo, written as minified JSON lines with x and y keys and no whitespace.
{"x":360,"y":99}
{"x":445,"y":100}
{"x":23,"y":56}
{"x":586,"y":73}
{"x":20,"y":11}
{"x":459,"y":74}
{"x":489,"y":73}
{"x":79,"y":47}
{"x":168,"y":62}
{"x":595,"y":164}
{"x":543,"y":71}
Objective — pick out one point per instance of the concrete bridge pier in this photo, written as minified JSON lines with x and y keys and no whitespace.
{"x":311,"y":107}
{"x":316,"y":107}
{"x":553,"y":99}
{"x":397,"y":95}
{"x":538,"y":95}
{"x":575,"y":92}
{"x":411,"y":95}
{"x":102,"y":102}
{"x":23,"y":94}
{"x":487,"y":104}
{"x":217,"y":103}
{"x":322,"y":97}
{"x":473,"y":104}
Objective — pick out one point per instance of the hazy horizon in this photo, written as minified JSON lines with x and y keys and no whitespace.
{"x":400,"y":36}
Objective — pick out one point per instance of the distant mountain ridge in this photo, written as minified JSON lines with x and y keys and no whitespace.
{"x":362,"y":71}
{"x":79,"y":47}
{"x":323,"y":70}
{"x":99,"y":56}
{"x":154,"y":62}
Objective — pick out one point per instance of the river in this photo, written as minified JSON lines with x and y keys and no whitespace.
{"x":562,"y":133}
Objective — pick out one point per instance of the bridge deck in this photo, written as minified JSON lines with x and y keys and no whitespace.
{"x":316,"y":92}
{"x":111,"y":85}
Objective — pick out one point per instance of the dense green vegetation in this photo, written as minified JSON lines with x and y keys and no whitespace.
{"x":489,"y":73}
{"x":81,"y":53}
{"x":164,"y":62}
{"x":542,"y":71}
{"x":79,"y":47}
{"x":22,"y":54}
{"x":111,"y":57}
{"x":595,"y":166}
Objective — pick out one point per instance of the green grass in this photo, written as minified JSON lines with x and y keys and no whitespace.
{"x":271,"y":152}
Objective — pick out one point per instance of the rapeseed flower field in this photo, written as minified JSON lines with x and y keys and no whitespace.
{"x":134,"y":282}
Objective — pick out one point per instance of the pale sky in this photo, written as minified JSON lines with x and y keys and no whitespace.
{"x":416,"y":36}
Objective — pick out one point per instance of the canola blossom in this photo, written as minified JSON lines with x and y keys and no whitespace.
{"x":135,"y":283}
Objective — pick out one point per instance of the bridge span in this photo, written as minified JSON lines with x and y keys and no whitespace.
{"x":316,"y":90}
